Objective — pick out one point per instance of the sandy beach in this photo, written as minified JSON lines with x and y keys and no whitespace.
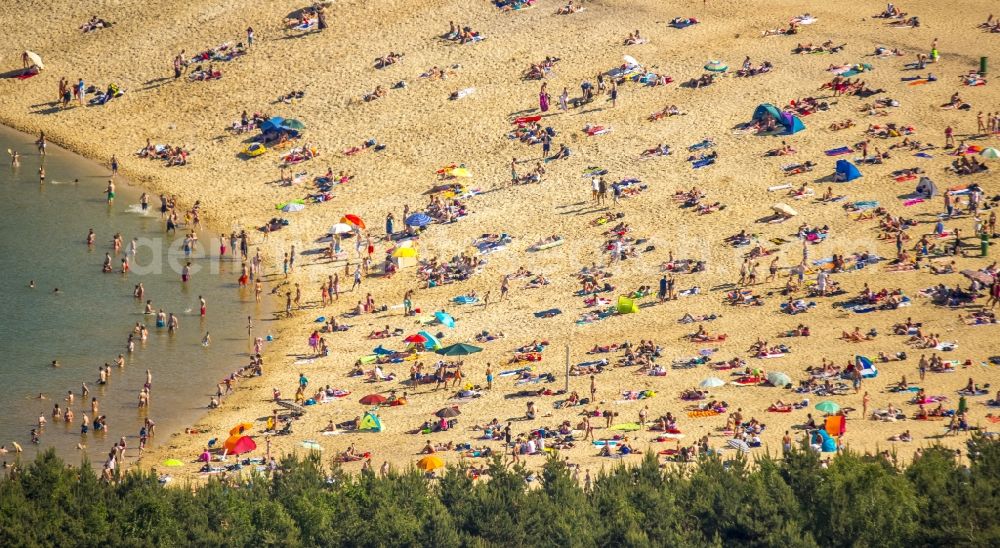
{"x":423,"y":131}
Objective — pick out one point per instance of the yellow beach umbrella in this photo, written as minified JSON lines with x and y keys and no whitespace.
{"x":430,"y":462}
{"x":240,"y":428}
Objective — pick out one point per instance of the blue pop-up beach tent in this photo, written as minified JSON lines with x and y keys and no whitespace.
{"x":846,"y":171}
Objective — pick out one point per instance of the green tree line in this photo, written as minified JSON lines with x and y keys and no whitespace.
{"x":797,"y":500}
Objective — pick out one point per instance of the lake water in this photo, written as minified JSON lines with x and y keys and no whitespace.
{"x":43,"y":229}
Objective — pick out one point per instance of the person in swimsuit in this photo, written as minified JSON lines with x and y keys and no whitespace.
{"x":111,"y":192}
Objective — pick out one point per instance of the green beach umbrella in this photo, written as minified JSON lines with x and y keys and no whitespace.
{"x":459,"y":349}
{"x":293,"y":124}
{"x":827,"y":407}
{"x":778,"y":378}
{"x":990,"y":153}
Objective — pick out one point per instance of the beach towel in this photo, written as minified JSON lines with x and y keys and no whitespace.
{"x":703,"y":163}
{"x":838,"y":151}
{"x":552,"y":312}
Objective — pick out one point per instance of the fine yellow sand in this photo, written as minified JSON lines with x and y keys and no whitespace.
{"x":424,"y":130}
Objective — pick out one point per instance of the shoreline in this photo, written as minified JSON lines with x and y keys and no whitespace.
{"x":195,"y":406}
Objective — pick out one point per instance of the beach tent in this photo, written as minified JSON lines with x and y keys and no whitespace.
{"x":240,"y":428}
{"x":431,"y":342}
{"x":764,"y":110}
{"x":370,"y":422}
{"x":868,"y":369}
{"x":926,"y":188}
{"x":846,"y":171}
{"x":238,"y":444}
{"x":792,"y":123}
{"x":827,"y":444}
{"x":836,"y":425}
{"x":626,"y":305}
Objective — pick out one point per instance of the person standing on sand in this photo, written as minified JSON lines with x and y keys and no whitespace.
{"x":564,"y":100}
{"x":504,"y":286}
{"x":489,"y":376}
{"x":249,"y":37}
{"x":593,"y":389}
{"x":614,"y":94}
{"x":114,"y":166}
{"x":864,"y":405}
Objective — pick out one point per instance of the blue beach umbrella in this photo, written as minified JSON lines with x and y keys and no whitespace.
{"x":445,"y":318}
{"x":418,"y":220}
{"x":272,"y":124}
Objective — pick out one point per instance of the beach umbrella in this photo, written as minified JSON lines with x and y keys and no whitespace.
{"x":293,"y":124}
{"x":240,"y":428}
{"x":430,"y":462}
{"x":173,"y":463}
{"x":237,"y":445}
{"x":448,"y":412}
{"x":784,"y":209}
{"x":418,"y":220}
{"x":778,"y":378}
{"x":630,"y":61}
{"x":293,"y":207}
{"x":990,"y":152}
{"x":35,"y":58}
{"x":272,"y":124}
{"x":827,"y":407}
{"x":459,"y":349}
{"x":340,"y":228}
{"x":353,"y":219}
{"x":416,"y":338}
{"x":404,"y":252}
{"x":712,"y":382}
{"x":373,"y":399}
{"x":445,"y":318}
{"x":716,"y":66}
{"x":739,"y":445}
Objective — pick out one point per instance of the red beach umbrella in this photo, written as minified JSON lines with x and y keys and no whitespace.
{"x":373,"y":399}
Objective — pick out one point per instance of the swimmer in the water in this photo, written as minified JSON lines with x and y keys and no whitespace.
{"x":206,"y":340}
{"x":31,"y":284}
{"x":56,"y":291}
{"x":91,"y":237}
{"x":15,"y":158}
{"x":55,"y":363}
{"x":41,"y":174}
{"x":42,"y":396}
{"x":149,"y":308}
